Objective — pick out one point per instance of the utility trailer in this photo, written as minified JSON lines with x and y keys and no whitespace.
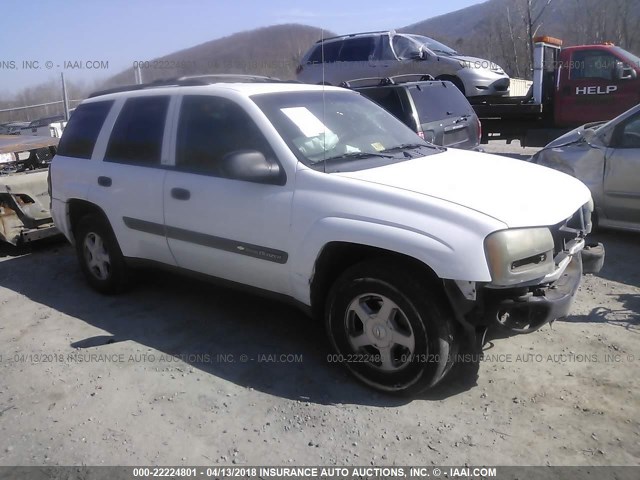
{"x":571,"y":86}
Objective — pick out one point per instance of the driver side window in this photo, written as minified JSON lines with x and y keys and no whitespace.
{"x":628,"y":134}
{"x":209,"y":129}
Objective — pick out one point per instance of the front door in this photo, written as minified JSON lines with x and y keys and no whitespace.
{"x":591,"y":89}
{"x":622,"y":173}
{"x":231,"y":229}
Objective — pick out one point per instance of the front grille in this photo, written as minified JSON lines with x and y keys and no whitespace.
{"x":573,"y":227}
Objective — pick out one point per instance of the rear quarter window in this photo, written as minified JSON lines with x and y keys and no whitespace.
{"x":82,"y":131}
{"x":137,"y":135}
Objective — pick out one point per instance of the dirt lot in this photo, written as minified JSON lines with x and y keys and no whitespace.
{"x":181,"y":372}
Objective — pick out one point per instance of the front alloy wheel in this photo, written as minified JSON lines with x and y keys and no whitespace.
{"x":378,"y":326}
{"x":389,"y":326}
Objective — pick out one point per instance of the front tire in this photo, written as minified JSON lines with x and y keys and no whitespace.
{"x":99,"y":255}
{"x":389,"y":328}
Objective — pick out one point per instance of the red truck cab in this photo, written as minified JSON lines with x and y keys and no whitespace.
{"x":595,"y":82}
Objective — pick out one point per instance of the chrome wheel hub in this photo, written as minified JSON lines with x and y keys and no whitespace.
{"x":378,"y":328}
{"x":96,"y":256}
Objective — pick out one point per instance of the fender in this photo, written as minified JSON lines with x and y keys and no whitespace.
{"x":460,"y":257}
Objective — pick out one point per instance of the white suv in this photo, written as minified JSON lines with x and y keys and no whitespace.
{"x":319,"y":196}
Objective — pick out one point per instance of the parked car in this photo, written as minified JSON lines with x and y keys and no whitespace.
{"x":318,"y":196}
{"x":436,"y":110}
{"x":14,"y":128}
{"x":386,"y":54}
{"x":606,"y":157}
{"x":47,"y":126}
{"x":24,"y":197}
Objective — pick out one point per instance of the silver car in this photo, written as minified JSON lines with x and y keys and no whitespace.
{"x":606,"y":157}
{"x":334,"y":60}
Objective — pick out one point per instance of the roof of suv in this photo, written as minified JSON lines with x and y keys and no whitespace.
{"x":240,"y":83}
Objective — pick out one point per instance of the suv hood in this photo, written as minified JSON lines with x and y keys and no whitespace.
{"x":517,"y":193}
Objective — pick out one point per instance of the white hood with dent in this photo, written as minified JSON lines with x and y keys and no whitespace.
{"x":517,"y":193}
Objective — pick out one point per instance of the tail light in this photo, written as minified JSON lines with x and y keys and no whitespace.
{"x":298,"y":69}
{"x":479,"y":131}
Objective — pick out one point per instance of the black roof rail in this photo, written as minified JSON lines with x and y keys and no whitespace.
{"x":348,"y":35}
{"x":385,"y":81}
{"x":193,"y":80}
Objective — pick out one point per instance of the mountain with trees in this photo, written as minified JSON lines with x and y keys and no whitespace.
{"x":497,"y":30}
{"x":502,"y":30}
{"x":272,"y":51}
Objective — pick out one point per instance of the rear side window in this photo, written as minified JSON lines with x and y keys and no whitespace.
{"x":438,"y":102}
{"x":330,"y":54}
{"x":138,"y":132}
{"x":390,"y":99}
{"x":82,"y":131}
{"x":357,"y":49}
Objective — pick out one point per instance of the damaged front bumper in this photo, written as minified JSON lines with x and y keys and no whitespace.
{"x":527,"y":309}
{"x":523,"y":308}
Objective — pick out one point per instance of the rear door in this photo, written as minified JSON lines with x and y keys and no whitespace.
{"x":622,"y":173}
{"x":356,"y":59}
{"x":230,"y":229}
{"x":128,"y":183}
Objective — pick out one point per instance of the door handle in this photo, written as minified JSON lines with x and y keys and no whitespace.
{"x":180,"y":193}
{"x":104,"y":181}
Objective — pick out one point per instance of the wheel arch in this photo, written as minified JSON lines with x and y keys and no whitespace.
{"x":77,"y":208}
{"x":338,"y":256}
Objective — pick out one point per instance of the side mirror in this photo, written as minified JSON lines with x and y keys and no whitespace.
{"x":589,"y":136}
{"x":420,"y":54}
{"x":251,"y":166}
{"x":624,"y":71}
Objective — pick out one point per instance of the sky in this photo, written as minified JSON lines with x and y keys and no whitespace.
{"x":93,"y":40}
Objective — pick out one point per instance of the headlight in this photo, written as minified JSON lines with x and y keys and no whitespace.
{"x":7,"y":158}
{"x":519,"y":255}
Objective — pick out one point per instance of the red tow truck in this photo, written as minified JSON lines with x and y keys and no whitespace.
{"x":571,"y":86}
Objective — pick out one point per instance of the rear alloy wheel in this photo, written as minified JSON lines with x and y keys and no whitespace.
{"x":99,"y":255}
{"x":96,"y":256}
{"x":389,"y":328}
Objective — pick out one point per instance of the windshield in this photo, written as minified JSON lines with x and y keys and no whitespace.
{"x":403,"y":42}
{"x":339,"y":128}
{"x":632,"y":59}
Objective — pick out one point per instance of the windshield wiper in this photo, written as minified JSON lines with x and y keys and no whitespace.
{"x":408,"y":146}
{"x":356,"y":155}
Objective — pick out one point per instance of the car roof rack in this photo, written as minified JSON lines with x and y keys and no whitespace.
{"x":349,"y":35}
{"x":386,"y":81}
{"x":193,"y":80}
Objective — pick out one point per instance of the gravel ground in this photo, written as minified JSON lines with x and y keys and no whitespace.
{"x":180,"y":372}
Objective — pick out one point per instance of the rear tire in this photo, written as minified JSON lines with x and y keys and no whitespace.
{"x":99,"y":255}
{"x":389,"y":328}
